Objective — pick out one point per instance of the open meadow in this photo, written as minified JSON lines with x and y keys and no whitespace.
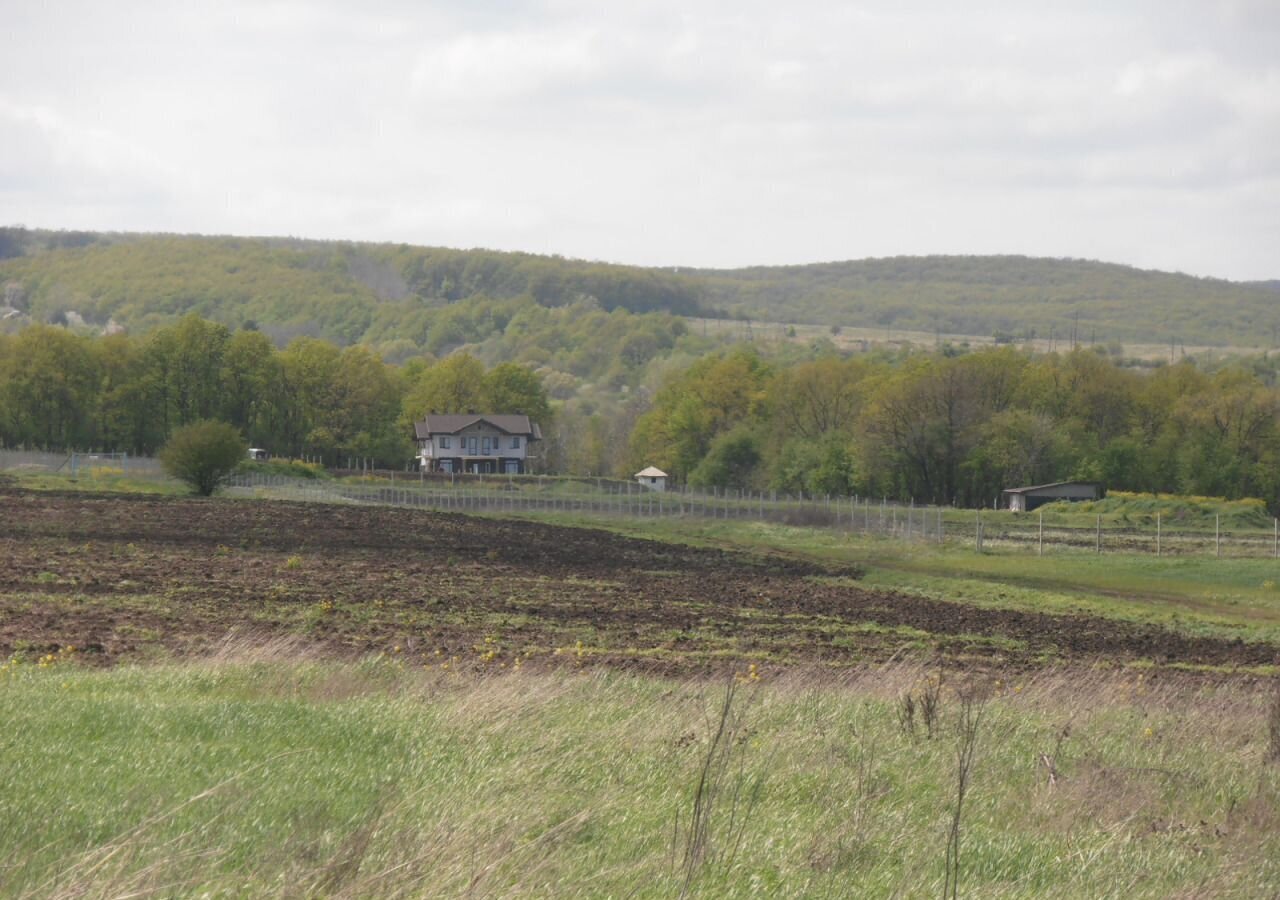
{"x":233,"y":697}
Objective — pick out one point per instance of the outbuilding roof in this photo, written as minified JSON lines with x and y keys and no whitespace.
{"x":651,"y":472}
{"x":437,"y":423}
{"x":1045,"y":487}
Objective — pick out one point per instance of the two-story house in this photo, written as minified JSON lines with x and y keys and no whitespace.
{"x":487,"y":444}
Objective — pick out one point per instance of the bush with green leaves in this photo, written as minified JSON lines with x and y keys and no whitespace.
{"x":203,"y":454}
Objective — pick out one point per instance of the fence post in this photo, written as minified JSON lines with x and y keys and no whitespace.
{"x":1159,"y":550}
{"x":1040,"y":548}
{"x":1098,"y":539}
{"x":1217,"y":536}
{"x":977,"y":531}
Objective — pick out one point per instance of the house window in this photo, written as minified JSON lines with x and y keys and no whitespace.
{"x":446,"y":443}
{"x":515,"y":442}
{"x":484,"y":444}
{"x":471,"y":444}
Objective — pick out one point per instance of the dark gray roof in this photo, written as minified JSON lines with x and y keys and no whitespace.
{"x":1045,"y":487}
{"x":452,"y":424}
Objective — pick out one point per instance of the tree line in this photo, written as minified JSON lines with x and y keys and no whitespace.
{"x":959,"y":429}
{"x":113,"y":393}
{"x":944,"y":427}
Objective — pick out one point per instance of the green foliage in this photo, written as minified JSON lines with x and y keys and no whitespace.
{"x":512,"y":388}
{"x":48,"y":379}
{"x":1175,"y":510}
{"x":1008,"y":296}
{"x":716,"y":394}
{"x":203,"y":454}
{"x":459,"y":384}
{"x":815,"y":467}
{"x":730,"y":461}
{"x":340,"y":291}
{"x":451,"y":386}
{"x":64,"y":391}
{"x":440,"y":299}
{"x":959,"y":429}
{"x":285,"y":468}
{"x":628,"y":382}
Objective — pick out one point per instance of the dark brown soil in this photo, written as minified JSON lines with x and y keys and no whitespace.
{"x":122,"y":577}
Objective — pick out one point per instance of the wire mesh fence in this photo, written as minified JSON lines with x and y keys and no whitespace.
{"x":532,"y":494}
{"x":1027,"y":532}
{"x":988,"y":531}
{"x":76,"y":463}
{"x":32,"y":460}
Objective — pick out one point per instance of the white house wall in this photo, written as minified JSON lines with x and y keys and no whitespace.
{"x":431,"y":449}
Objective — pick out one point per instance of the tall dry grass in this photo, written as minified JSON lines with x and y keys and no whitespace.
{"x":254,"y":773}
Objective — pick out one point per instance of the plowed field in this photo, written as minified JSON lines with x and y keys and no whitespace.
{"x":121,"y":577}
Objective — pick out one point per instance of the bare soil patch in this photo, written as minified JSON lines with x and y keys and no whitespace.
{"x":126,"y":577}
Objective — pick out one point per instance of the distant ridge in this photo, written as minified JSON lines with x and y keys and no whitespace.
{"x":343,"y":290}
{"x":1017,"y":296}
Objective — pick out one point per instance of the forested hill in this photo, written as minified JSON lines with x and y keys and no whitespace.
{"x":287,"y":287}
{"x":348,"y":292}
{"x":1016,"y":295}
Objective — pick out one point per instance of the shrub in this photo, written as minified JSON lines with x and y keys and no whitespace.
{"x":288,"y":468}
{"x":203,"y":455}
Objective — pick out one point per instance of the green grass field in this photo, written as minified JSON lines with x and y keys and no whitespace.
{"x":260,"y":772}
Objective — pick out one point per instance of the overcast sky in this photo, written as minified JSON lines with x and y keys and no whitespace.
{"x":672,"y":133}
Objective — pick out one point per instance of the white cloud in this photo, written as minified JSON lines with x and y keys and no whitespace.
{"x":479,"y":68}
{"x":695,"y":132}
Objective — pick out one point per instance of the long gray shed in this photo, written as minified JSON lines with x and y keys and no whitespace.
{"x":1025,"y":499}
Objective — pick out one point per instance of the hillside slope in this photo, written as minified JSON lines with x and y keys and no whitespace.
{"x":348,"y":292}
{"x":1021,"y":296}
{"x":287,"y":287}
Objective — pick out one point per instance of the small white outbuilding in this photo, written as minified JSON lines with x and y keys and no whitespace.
{"x":653,"y":478}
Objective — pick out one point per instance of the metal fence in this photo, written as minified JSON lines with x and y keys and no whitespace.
{"x":1003,"y":530}
{"x":989,"y":530}
{"x":76,"y":463}
{"x":531,"y":494}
